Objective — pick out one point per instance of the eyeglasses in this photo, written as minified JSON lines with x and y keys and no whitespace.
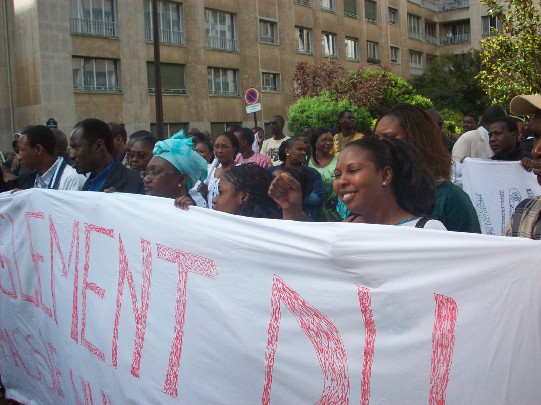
{"x":153,"y":174}
{"x":138,"y":155}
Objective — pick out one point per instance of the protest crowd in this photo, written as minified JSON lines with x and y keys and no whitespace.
{"x":403,"y":173}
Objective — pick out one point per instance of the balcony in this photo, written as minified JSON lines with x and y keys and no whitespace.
{"x":166,"y":36}
{"x":456,"y":39}
{"x":97,"y":88}
{"x":448,"y":5}
{"x":234,"y":92}
{"x":97,"y":28}
{"x":416,"y":70}
{"x":373,"y":61}
{"x":303,"y":2}
{"x":432,"y":40}
{"x":222,"y":43}
{"x":415,"y":35}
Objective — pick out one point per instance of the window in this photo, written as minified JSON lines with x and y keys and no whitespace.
{"x":223,"y":82}
{"x":169,"y":128}
{"x":352,"y":49}
{"x":489,"y":24}
{"x":270,"y":81}
{"x":328,"y":41}
{"x":304,"y":39}
{"x":94,"y":17}
{"x":395,"y":54}
{"x":372,"y":52}
{"x":172,"y":76}
{"x":350,"y":8}
{"x":268,"y":32}
{"x":430,"y":33}
{"x":457,"y":33}
{"x":221,"y":30}
{"x":303,"y":2}
{"x":96,"y":74}
{"x":414,"y":27}
{"x":370,"y":11}
{"x":328,"y":5}
{"x":170,"y":24}
{"x":416,"y":60}
{"x":393,"y":16}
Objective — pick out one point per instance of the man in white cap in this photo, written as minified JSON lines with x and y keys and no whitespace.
{"x":525,"y":222}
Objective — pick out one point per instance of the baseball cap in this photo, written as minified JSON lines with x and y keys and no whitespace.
{"x":525,"y":104}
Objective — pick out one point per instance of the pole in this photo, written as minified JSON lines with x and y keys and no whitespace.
{"x":157,"y":71}
{"x":255,"y":119}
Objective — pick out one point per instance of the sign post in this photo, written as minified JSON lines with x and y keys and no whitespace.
{"x":252,"y":97}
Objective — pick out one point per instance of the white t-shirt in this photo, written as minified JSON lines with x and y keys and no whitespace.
{"x":270,"y":148}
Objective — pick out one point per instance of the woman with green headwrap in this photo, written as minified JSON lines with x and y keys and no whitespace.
{"x":175,"y":170}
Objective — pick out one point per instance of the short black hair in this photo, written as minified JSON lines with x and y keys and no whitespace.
{"x":247,"y":134}
{"x":41,"y":135}
{"x":491,"y":113}
{"x":472,"y":115}
{"x":342,"y":113}
{"x":118,"y":129}
{"x":510,"y":122}
{"x":93,"y":130}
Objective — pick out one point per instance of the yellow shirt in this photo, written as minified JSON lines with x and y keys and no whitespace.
{"x":340,"y":141}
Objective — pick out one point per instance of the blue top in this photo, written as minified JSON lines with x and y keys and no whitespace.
{"x":96,"y":183}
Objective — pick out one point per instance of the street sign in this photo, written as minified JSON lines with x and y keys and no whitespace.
{"x":253,"y":108}
{"x":251,"y":96}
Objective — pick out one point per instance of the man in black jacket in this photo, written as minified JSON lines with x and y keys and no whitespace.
{"x":91,"y":151}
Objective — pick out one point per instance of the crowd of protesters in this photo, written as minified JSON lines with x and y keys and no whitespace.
{"x":401,"y":175}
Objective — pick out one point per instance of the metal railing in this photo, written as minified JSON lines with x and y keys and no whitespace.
{"x":227,"y":44}
{"x":328,"y":9}
{"x":94,"y":27}
{"x":166,"y":36}
{"x":224,"y":93}
{"x":432,"y":40}
{"x":108,"y":89}
{"x":373,"y":61}
{"x":448,"y":5}
{"x":456,"y":39}
{"x":350,"y":14}
{"x":152,"y":90}
{"x":266,"y":39}
{"x":415,"y":35}
{"x":303,"y":2}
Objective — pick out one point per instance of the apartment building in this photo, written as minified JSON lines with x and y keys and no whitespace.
{"x":73,"y":59}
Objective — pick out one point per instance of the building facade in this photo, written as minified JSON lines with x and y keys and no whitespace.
{"x":74,"y":59}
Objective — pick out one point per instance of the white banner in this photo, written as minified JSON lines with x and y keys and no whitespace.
{"x":117,"y":299}
{"x":495,"y":189}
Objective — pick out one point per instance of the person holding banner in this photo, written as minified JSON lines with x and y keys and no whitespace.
{"x":380,"y":181}
{"x":526,"y":221}
{"x":174,"y":171}
{"x":413,"y":125}
{"x":243,"y":190}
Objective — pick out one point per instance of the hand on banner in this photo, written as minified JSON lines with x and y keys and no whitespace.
{"x":184,"y":202}
{"x":109,"y":190}
{"x":527,"y":164}
{"x":287,"y":193}
{"x":203,"y":189}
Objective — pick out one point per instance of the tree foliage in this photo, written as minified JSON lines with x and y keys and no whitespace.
{"x":368,"y":91}
{"x":511,"y":58}
{"x":450,"y":82}
{"x":322,"y":111}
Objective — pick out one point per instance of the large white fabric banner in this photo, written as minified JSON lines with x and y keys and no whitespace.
{"x":123,"y":299}
{"x":496,"y":188}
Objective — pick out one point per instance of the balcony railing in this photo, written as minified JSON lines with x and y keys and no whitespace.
{"x":328,"y":9}
{"x":415,"y":35}
{"x":448,"y":5}
{"x":166,"y":36}
{"x":303,"y":2}
{"x":224,"y":92}
{"x":226,"y":44}
{"x":94,"y":27}
{"x":350,"y":14}
{"x":266,"y":39}
{"x":416,"y":70}
{"x":373,"y":61}
{"x":152,"y":90}
{"x":456,"y":39}
{"x":106,"y":89}
{"x":432,"y":40}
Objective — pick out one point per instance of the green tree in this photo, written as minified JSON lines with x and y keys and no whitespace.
{"x":511,"y":58}
{"x":322,"y":111}
{"x":450,"y":82}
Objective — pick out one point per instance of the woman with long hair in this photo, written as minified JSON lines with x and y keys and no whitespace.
{"x":323,"y":160}
{"x":413,"y":125}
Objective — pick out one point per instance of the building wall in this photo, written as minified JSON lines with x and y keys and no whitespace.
{"x":41,"y":63}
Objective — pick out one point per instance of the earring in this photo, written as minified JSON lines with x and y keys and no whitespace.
{"x":180,"y":184}
{"x":383,"y":183}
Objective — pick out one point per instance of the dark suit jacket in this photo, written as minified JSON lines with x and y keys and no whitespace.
{"x":122,"y":179}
